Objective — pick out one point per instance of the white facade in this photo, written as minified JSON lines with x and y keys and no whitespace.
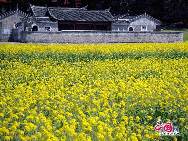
{"x":142,"y":23}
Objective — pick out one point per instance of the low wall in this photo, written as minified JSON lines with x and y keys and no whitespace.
{"x":14,"y":36}
{"x":101,"y":37}
{"x":5,"y":37}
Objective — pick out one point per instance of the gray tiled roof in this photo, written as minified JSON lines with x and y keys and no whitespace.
{"x":72,"y":14}
{"x":10,"y":13}
{"x":39,"y":11}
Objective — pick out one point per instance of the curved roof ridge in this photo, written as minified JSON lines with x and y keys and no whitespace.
{"x":22,"y":13}
{"x":100,"y":10}
{"x":146,"y":15}
{"x":9,"y":13}
{"x":82,"y":8}
{"x":123,"y":15}
{"x":80,"y":15}
{"x":51,"y":14}
{"x":6,"y":14}
{"x":37,"y":6}
{"x":68,"y":9}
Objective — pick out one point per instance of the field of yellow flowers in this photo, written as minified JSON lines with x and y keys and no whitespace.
{"x":92,"y":92}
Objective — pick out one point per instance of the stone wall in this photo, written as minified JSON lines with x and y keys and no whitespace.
{"x":13,"y":36}
{"x":101,"y":37}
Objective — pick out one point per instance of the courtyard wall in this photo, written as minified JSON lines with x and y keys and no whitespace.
{"x":100,"y":37}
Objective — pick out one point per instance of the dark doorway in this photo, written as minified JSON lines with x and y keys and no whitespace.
{"x":35,"y":28}
{"x":70,"y":25}
{"x":66,"y":26}
{"x":101,"y":27}
{"x":81,"y":26}
{"x":131,"y":29}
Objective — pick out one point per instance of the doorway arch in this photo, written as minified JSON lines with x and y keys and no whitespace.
{"x":131,"y":29}
{"x":35,"y":28}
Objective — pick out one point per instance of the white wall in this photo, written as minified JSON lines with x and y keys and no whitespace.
{"x":151,"y":25}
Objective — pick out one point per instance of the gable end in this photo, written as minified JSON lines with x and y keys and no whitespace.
{"x":147,"y":17}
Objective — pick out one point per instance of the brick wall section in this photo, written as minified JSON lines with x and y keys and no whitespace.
{"x":101,"y":37}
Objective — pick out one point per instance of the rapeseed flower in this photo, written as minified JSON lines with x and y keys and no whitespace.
{"x":92,"y":92}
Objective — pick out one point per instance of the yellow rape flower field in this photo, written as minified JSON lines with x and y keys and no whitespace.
{"x":99,"y":92}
